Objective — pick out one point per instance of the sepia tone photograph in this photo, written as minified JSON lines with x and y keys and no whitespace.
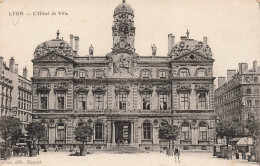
{"x":130,"y":82}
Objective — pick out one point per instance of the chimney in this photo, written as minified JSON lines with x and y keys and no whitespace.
{"x":25,"y":72}
{"x":242,"y":67}
{"x":205,"y":41}
{"x":11,"y":64}
{"x":171,"y":42}
{"x":16,"y":69}
{"x":230,"y":74}
{"x":71,"y":41}
{"x":221,"y":81}
{"x":255,"y":65}
{"x":1,"y":66}
{"x":76,"y":45}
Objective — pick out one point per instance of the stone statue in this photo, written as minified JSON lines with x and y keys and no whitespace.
{"x":154,"y":49}
{"x":91,"y":50}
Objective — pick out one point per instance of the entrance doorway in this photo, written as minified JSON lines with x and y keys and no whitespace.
{"x":123,"y":132}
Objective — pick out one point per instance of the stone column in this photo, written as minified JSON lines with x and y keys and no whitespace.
{"x":114,"y":133}
{"x":132,"y":133}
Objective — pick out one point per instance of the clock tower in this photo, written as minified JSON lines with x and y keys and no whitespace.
{"x":123,"y":29}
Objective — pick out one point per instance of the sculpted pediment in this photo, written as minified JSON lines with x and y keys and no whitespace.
{"x":192,"y":56}
{"x":52,"y":57}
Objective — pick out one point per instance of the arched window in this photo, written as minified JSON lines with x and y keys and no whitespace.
{"x":44,"y":73}
{"x":60,"y":72}
{"x":203,"y":128}
{"x":248,"y":91}
{"x":184,"y":72}
{"x":61,"y":131}
{"x":201,"y":73}
{"x":146,"y":101}
{"x":147,"y":130}
{"x":185,"y":129}
{"x":98,"y":131}
{"x":82,"y":74}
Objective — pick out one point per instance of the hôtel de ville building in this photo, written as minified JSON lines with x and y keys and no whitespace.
{"x":125,"y":96}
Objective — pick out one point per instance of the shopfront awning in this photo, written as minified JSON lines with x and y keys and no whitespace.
{"x":245,"y":141}
{"x":235,"y":139}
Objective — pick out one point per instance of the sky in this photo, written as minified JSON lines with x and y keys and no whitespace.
{"x":232,"y":27}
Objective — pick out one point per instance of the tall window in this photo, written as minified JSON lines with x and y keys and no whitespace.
{"x":99,"y":74}
{"x":146,"y":101}
{"x":185,"y":131}
{"x":98,"y":131}
{"x":61,"y":100}
{"x":44,"y":72}
{"x":45,"y":133}
{"x":145,"y":73}
{"x":122,"y":101}
{"x":163,"y":101}
{"x":99,"y":101}
{"x":203,"y":131}
{"x":61,"y":131}
{"x":82,"y":101}
{"x":60,"y":72}
{"x":44,"y":100}
{"x":184,"y":72}
{"x":202,"y":101}
{"x":184,"y":100}
{"x":162,"y":74}
{"x":257,"y":103}
{"x":147,"y":130}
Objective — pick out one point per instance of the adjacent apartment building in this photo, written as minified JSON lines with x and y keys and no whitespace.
{"x":237,"y":97}
{"x":16,"y":93}
{"x":123,"y":95}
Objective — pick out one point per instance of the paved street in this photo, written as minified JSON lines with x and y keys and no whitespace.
{"x":146,"y":159}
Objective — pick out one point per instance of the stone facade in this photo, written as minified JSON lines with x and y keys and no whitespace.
{"x":123,"y":95}
{"x":238,"y":97}
{"x":16,"y":93}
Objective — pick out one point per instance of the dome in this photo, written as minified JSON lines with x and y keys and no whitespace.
{"x":54,"y":43}
{"x":58,"y":45}
{"x":123,"y":8}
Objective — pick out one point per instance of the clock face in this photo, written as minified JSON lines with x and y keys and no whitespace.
{"x":123,"y":30}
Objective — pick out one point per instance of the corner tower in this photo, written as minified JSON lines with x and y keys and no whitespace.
{"x":123,"y":29}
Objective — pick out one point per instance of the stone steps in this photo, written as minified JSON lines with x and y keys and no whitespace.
{"x":124,"y":149}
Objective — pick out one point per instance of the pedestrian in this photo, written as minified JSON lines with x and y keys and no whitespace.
{"x":56,"y":148}
{"x":237,"y":154}
{"x":161,"y":149}
{"x":38,"y":150}
{"x":177,"y":153}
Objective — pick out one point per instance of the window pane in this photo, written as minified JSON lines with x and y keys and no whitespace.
{"x":146,"y":102}
{"x":99,"y":101}
{"x":163,"y":102}
{"x":146,"y":73}
{"x":98,"y":131}
{"x":202,"y":101}
{"x":61,"y":131}
{"x":201,"y":73}
{"x":184,"y":73}
{"x":162,"y":74}
{"x":184,"y":100}
{"x":99,"y":74}
{"x":147,"y":130}
{"x":122,"y":101}
{"x":61,"y":100}
{"x":44,"y":100}
{"x":82,"y":101}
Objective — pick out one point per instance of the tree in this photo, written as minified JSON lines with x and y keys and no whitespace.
{"x":252,"y":125}
{"x":10,"y":128}
{"x":35,"y":131}
{"x":168,"y":132}
{"x":84,"y":134}
{"x":228,"y":129}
